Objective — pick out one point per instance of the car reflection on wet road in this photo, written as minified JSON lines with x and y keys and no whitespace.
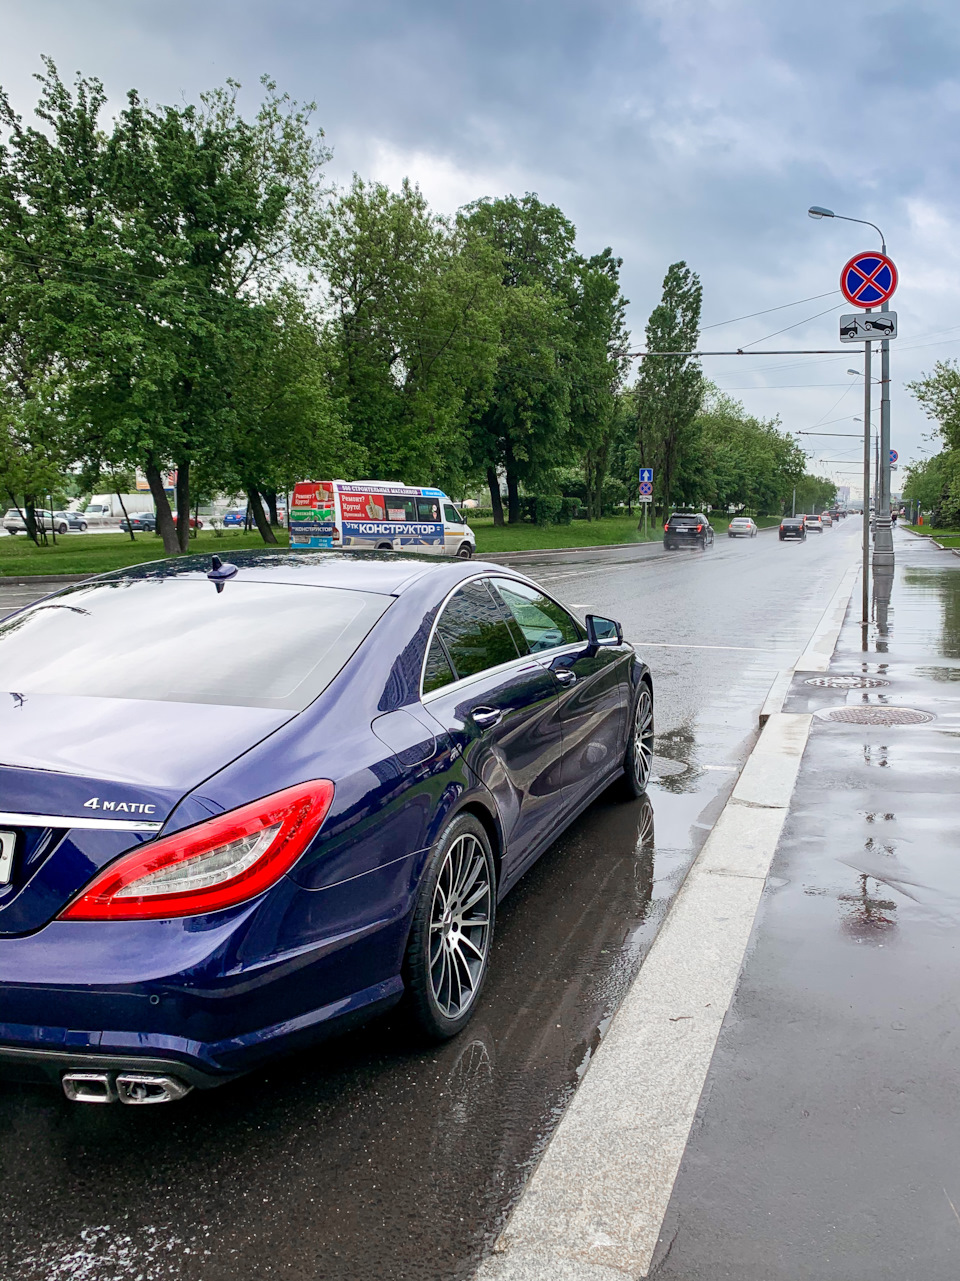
{"x":370,"y":1157}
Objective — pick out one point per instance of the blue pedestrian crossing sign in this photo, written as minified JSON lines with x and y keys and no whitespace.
{"x":646,"y":475}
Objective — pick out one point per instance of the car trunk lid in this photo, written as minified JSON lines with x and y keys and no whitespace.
{"x":82,"y":779}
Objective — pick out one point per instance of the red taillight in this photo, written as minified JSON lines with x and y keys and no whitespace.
{"x":216,"y":864}
{"x":666,"y":528}
{"x":699,"y":528}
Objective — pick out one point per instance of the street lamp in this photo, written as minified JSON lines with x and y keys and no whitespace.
{"x":883,"y":537}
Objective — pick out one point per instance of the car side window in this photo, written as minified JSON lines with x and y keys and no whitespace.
{"x":428,"y":509}
{"x":544,"y":623}
{"x":474,"y":631}
{"x":451,"y":515}
{"x":437,"y":671}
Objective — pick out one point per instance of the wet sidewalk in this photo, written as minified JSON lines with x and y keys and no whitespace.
{"x":827,"y":1140}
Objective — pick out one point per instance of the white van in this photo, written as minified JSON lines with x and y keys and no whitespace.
{"x":378,"y":515}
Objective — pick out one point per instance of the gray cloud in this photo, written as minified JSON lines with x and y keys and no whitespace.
{"x":696,"y":129}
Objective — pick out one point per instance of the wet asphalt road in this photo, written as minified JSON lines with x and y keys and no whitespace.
{"x":370,"y":1157}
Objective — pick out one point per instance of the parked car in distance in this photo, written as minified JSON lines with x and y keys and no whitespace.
{"x":76,"y":521}
{"x":195,"y":522}
{"x":813,"y":522}
{"x":742,"y":527}
{"x":350,"y":797}
{"x":793,"y":527}
{"x":687,"y":529}
{"x":58,"y":522}
{"x":144,"y":522}
{"x":236,"y":516}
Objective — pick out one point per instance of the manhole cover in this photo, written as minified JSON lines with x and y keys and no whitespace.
{"x":847,"y":682}
{"x":876,"y":715}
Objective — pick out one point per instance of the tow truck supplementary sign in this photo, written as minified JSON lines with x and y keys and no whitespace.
{"x":868,"y":279}
{"x":859,"y":326}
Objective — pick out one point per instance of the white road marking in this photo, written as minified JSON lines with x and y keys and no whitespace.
{"x":594,"y":1207}
{"x":748,"y":649}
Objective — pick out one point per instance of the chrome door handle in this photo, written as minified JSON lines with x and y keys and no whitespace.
{"x":486,"y":717}
{"x":566,"y":676}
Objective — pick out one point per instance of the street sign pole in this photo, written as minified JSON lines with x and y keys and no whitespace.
{"x":867,"y":406}
{"x":883,"y":536}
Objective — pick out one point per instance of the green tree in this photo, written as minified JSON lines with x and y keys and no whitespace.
{"x":939,"y":395}
{"x":669,"y":389}
{"x":597,"y":368}
{"x":284,"y":424}
{"x":141,"y":251}
{"x":413,"y":328}
{"x":523,"y":428}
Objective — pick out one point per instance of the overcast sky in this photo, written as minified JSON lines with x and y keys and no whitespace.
{"x":667,"y":129}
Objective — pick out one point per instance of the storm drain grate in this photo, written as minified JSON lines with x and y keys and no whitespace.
{"x":847,"y":682}
{"x":876,"y":715}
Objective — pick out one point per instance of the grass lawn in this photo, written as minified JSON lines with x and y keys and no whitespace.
{"x":97,"y":553}
{"x":949,"y":537}
{"x":581,"y":533}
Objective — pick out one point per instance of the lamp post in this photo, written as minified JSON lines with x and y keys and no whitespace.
{"x":883,"y":537}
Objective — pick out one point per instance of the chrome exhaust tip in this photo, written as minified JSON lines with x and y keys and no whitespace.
{"x":138,"y":1088}
{"x":89,"y":1087}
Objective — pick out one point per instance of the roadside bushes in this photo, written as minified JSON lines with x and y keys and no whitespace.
{"x":549,"y":509}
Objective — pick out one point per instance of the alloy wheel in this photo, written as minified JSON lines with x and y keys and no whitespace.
{"x":460,"y":926}
{"x":643,"y":738}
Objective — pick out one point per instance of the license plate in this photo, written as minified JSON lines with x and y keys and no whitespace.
{"x":8,"y":843}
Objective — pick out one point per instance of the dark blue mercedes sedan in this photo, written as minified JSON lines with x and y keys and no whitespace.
{"x":212,"y":852}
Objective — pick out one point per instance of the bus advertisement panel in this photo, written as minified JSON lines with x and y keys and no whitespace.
{"x":312,"y":514}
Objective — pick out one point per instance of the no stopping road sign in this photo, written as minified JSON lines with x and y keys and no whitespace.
{"x":869,"y":279}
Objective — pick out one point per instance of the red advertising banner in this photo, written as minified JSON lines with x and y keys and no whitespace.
{"x":363,"y":506}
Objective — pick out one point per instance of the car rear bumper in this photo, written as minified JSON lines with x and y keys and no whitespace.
{"x":31,"y":1053}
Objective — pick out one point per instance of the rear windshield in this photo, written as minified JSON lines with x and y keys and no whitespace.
{"x":685,"y":520}
{"x":179,"y":640}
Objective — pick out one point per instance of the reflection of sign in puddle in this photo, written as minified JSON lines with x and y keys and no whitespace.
{"x":663,"y":767}
{"x":848,"y":682}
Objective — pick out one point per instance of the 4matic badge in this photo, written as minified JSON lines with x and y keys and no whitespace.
{"x":119,"y":807}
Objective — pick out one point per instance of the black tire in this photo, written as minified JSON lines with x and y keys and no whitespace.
{"x":449,"y":944}
{"x":638,"y":759}
{"x":464,"y":552}
{"x":63,"y":529}
{"x":83,"y":527}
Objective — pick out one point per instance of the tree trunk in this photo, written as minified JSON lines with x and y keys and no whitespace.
{"x":259,"y":515}
{"x":183,"y":506}
{"x":493,"y":483}
{"x":125,"y":516}
{"x":165,"y":526}
{"x":513,"y":492}
{"x":34,"y":529}
{"x":271,"y":496}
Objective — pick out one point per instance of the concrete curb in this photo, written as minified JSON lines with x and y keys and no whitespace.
{"x":819,"y":649}
{"x":27,"y":580}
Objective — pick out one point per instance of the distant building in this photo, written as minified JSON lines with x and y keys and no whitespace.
{"x":843,"y":494}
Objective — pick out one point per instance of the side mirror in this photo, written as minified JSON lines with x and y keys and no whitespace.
{"x":603,"y":631}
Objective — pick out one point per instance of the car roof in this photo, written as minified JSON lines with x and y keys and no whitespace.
{"x":386,"y":573}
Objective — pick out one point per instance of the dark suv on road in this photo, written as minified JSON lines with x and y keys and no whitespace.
{"x":793,"y":527}
{"x":687,"y":529}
